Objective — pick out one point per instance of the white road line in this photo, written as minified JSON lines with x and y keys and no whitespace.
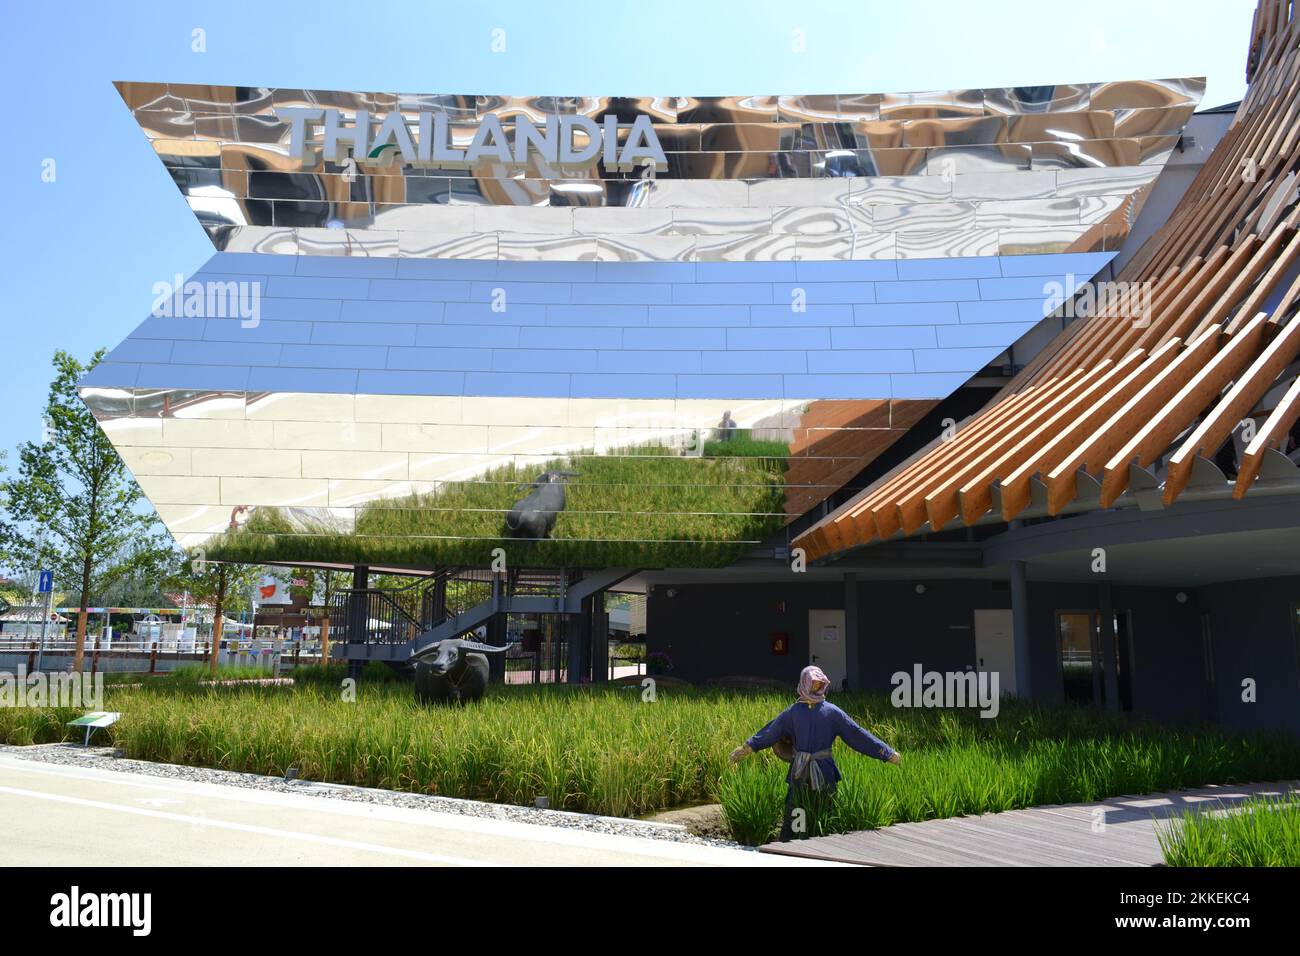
{"x":206,"y":821}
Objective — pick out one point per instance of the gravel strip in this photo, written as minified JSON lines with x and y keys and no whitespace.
{"x":105,"y":758}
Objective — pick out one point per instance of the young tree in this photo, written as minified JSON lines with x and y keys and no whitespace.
{"x":72,"y":505}
{"x":5,"y":529}
{"x":325,"y":584}
{"x":227,"y":588}
{"x":144,"y":566}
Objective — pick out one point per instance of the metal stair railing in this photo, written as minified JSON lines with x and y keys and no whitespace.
{"x":381,"y":618}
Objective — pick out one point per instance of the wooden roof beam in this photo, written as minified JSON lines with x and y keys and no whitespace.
{"x":943,"y":503}
{"x":1218,"y":426}
{"x":1272,"y":435}
{"x":912,"y":509}
{"x":1222,"y":290}
{"x":1176,"y":412}
{"x":880,"y":507}
{"x":1111,"y":436}
{"x":976,"y":495}
{"x":1055,"y":457}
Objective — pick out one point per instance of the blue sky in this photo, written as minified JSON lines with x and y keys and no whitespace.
{"x":81,"y":254}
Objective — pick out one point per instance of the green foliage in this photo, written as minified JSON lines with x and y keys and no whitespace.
{"x":6,"y":528}
{"x":333,"y":675}
{"x":605,"y":750}
{"x":72,"y":506}
{"x":211,"y":583}
{"x":405,"y":591}
{"x":640,"y":507}
{"x":198,"y":673}
{"x":319,"y":585}
{"x":742,"y":446}
{"x":1262,"y":831}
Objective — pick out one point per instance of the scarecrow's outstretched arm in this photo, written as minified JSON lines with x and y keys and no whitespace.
{"x":774,"y":731}
{"x":862,"y":740}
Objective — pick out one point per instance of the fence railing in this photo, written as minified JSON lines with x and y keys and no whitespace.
{"x":154,"y":656}
{"x":548,"y":664}
{"x":378,"y":620}
{"x":463,"y":590}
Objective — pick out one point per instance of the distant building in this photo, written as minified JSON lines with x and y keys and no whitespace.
{"x":22,"y":622}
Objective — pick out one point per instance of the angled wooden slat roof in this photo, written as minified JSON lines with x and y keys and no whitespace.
{"x":1161,"y":375}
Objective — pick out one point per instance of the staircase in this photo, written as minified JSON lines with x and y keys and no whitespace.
{"x":453,"y":603}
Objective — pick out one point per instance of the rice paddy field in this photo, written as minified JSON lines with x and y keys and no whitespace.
{"x":1264,"y":831}
{"x":606,"y":750}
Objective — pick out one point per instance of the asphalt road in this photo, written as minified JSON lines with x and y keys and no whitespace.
{"x":57,"y":815}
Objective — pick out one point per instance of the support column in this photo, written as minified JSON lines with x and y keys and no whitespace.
{"x":1020,"y":627}
{"x":358,"y":606}
{"x":497,"y":637}
{"x":439,"y":602}
{"x":358,"y":615}
{"x":1107,"y":638}
{"x":577,"y":632}
{"x":599,"y":639}
{"x":852,"y":631}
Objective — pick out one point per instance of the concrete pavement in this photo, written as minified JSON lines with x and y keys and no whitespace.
{"x":59,"y":815}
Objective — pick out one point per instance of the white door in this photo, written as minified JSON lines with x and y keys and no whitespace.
{"x":995,"y":647}
{"x":826,"y":644}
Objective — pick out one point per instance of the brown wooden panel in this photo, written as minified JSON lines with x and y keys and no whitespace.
{"x":941,"y":504}
{"x":1217,"y":426}
{"x":1171,"y":414}
{"x":1272,"y":435}
{"x":1102,"y":442}
{"x":1207,"y":352}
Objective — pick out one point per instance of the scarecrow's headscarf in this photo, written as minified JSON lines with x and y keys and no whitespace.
{"x":806,"y":677}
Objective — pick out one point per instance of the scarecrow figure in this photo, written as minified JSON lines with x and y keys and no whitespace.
{"x":802,"y":735}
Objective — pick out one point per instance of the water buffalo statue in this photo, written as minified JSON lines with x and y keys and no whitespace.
{"x":533,"y":516}
{"x":453,"y":671}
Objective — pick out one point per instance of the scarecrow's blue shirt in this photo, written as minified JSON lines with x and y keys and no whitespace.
{"x":814,"y":729}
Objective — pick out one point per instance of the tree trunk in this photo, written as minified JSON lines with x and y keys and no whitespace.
{"x":80,"y":655}
{"x":325,"y":639}
{"x":216,"y":618}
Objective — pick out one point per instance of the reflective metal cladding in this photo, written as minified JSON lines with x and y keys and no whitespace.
{"x":700,"y":316}
{"x":654,"y":178}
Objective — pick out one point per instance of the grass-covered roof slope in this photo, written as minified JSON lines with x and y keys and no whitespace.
{"x":642,"y":507}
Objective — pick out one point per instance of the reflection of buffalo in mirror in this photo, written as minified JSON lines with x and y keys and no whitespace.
{"x":452,"y":673}
{"x":533,"y":516}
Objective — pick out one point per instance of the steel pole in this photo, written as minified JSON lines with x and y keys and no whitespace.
{"x":45,"y":620}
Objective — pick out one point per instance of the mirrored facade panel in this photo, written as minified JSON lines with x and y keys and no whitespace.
{"x":701,"y":481}
{"x":402,"y":408}
{"x":619,"y":331}
{"x":273,"y":159}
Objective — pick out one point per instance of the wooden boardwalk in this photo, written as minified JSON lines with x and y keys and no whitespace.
{"x":1120,"y":831}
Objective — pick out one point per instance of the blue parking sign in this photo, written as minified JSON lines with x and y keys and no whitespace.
{"x":46,"y":584}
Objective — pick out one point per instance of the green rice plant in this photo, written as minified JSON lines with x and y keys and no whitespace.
{"x":1261,"y":831}
{"x":753,"y":799}
{"x":196,"y":673}
{"x":604,"y":750}
{"x":323,"y":675}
